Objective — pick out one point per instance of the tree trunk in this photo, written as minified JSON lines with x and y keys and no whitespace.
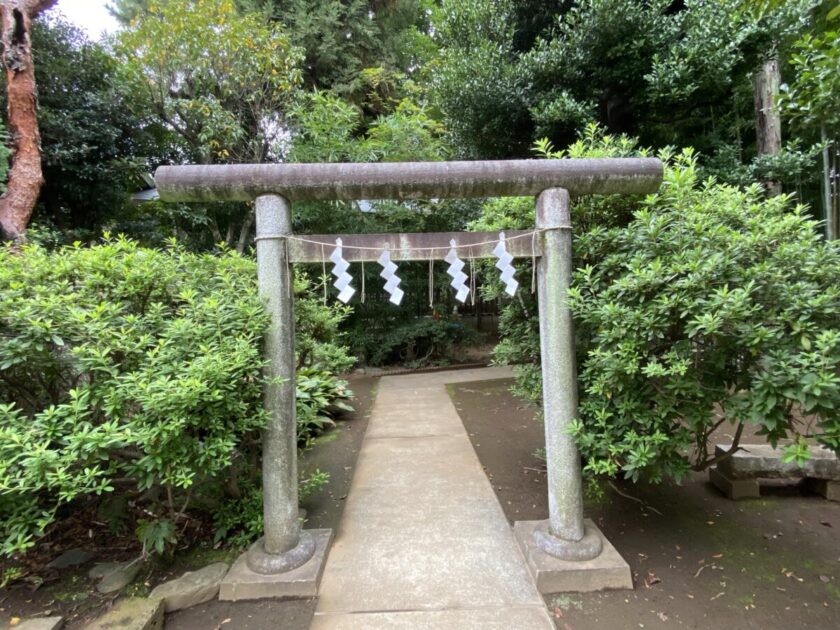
{"x":25,"y":175}
{"x":245,"y":232}
{"x":828,"y":197}
{"x":768,"y":122}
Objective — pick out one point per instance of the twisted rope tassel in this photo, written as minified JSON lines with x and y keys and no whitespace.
{"x":343,"y":279}
{"x":459,"y":278}
{"x":503,"y":265}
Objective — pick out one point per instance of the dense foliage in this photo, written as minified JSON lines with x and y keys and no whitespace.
{"x":136,"y":373}
{"x":133,"y":373}
{"x":356,"y":48}
{"x":711,"y":305}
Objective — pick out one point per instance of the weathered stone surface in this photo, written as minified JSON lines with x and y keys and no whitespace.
{"x":734,"y":488}
{"x":133,"y":613}
{"x":115,"y":575}
{"x":71,"y":558}
{"x":762,"y":460}
{"x":192,"y":588}
{"x":408,"y":180}
{"x":281,"y":529}
{"x":241,"y":583}
{"x":101,"y":569}
{"x":506,"y":618}
{"x":430,"y":536}
{"x":608,"y":571}
{"x":41,"y":623}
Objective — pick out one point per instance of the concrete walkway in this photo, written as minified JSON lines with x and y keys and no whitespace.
{"x":423,"y":542}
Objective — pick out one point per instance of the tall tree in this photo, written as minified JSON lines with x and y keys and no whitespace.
{"x":670,"y":72}
{"x":94,"y":148}
{"x":341,"y":39}
{"x":221,"y":81}
{"x":25,"y":174}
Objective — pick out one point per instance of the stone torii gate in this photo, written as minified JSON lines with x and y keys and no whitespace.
{"x":273,"y":561}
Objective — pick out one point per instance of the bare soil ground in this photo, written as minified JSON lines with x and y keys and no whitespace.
{"x":698,"y":559}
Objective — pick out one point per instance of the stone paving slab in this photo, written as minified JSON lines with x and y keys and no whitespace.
{"x":481,"y":619}
{"x":423,"y":541}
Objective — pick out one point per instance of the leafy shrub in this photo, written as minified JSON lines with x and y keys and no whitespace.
{"x":711,"y":305}
{"x":240,"y":521}
{"x":320,"y":396}
{"x":129,"y":371}
{"x":420,"y":342}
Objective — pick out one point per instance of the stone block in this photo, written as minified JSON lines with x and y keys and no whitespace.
{"x":70,"y":558}
{"x":133,"y":613}
{"x":734,"y":488}
{"x":828,"y":489}
{"x":41,"y":623}
{"x":608,"y":571}
{"x":241,"y":583}
{"x":192,"y":588}
{"x":115,"y":575}
{"x":762,"y":460}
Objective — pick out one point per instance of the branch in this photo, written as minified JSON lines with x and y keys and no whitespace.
{"x":719,"y":458}
{"x":35,"y":7}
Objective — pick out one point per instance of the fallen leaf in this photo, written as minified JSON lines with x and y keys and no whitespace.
{"x":826,"y":523}
{"x":662,"y":616}
{"x":825,"y":579}
{"x":558,"y":612}
{"x":716,"y":596}
{"x":717,"y":555}
{"x":651,"y":579}
{"x":14,"y":621}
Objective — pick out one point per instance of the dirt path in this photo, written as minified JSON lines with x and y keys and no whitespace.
{"x":702,"y":561}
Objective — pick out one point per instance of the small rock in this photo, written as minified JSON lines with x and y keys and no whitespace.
{"x":133,"y":613}
{"x":192,"y":588}
{"x":41,"y":623}
{"x":119,"y":576}
{"x":101,"y":569}
{"x":70,"y":558}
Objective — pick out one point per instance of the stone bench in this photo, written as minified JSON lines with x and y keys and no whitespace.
{"x":740,"y":475}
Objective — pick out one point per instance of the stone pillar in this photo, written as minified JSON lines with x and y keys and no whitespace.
{"x":566,"y":536}
{"x":284,"y":546}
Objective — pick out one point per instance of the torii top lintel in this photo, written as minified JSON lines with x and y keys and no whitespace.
{"x":408,"y":180}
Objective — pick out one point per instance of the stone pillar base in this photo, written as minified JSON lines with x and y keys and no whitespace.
{"x":242,"y":583}
{"x":607,"y":571}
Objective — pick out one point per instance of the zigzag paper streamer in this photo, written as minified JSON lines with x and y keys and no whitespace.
{"x":342,"y":278}
{"x":459,"y":278}
{"x":389,"y":273}
{"x":503,"y":265}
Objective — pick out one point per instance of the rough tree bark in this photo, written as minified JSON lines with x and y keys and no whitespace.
{"x":768,"y":121}
{"x":25,"y":175}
